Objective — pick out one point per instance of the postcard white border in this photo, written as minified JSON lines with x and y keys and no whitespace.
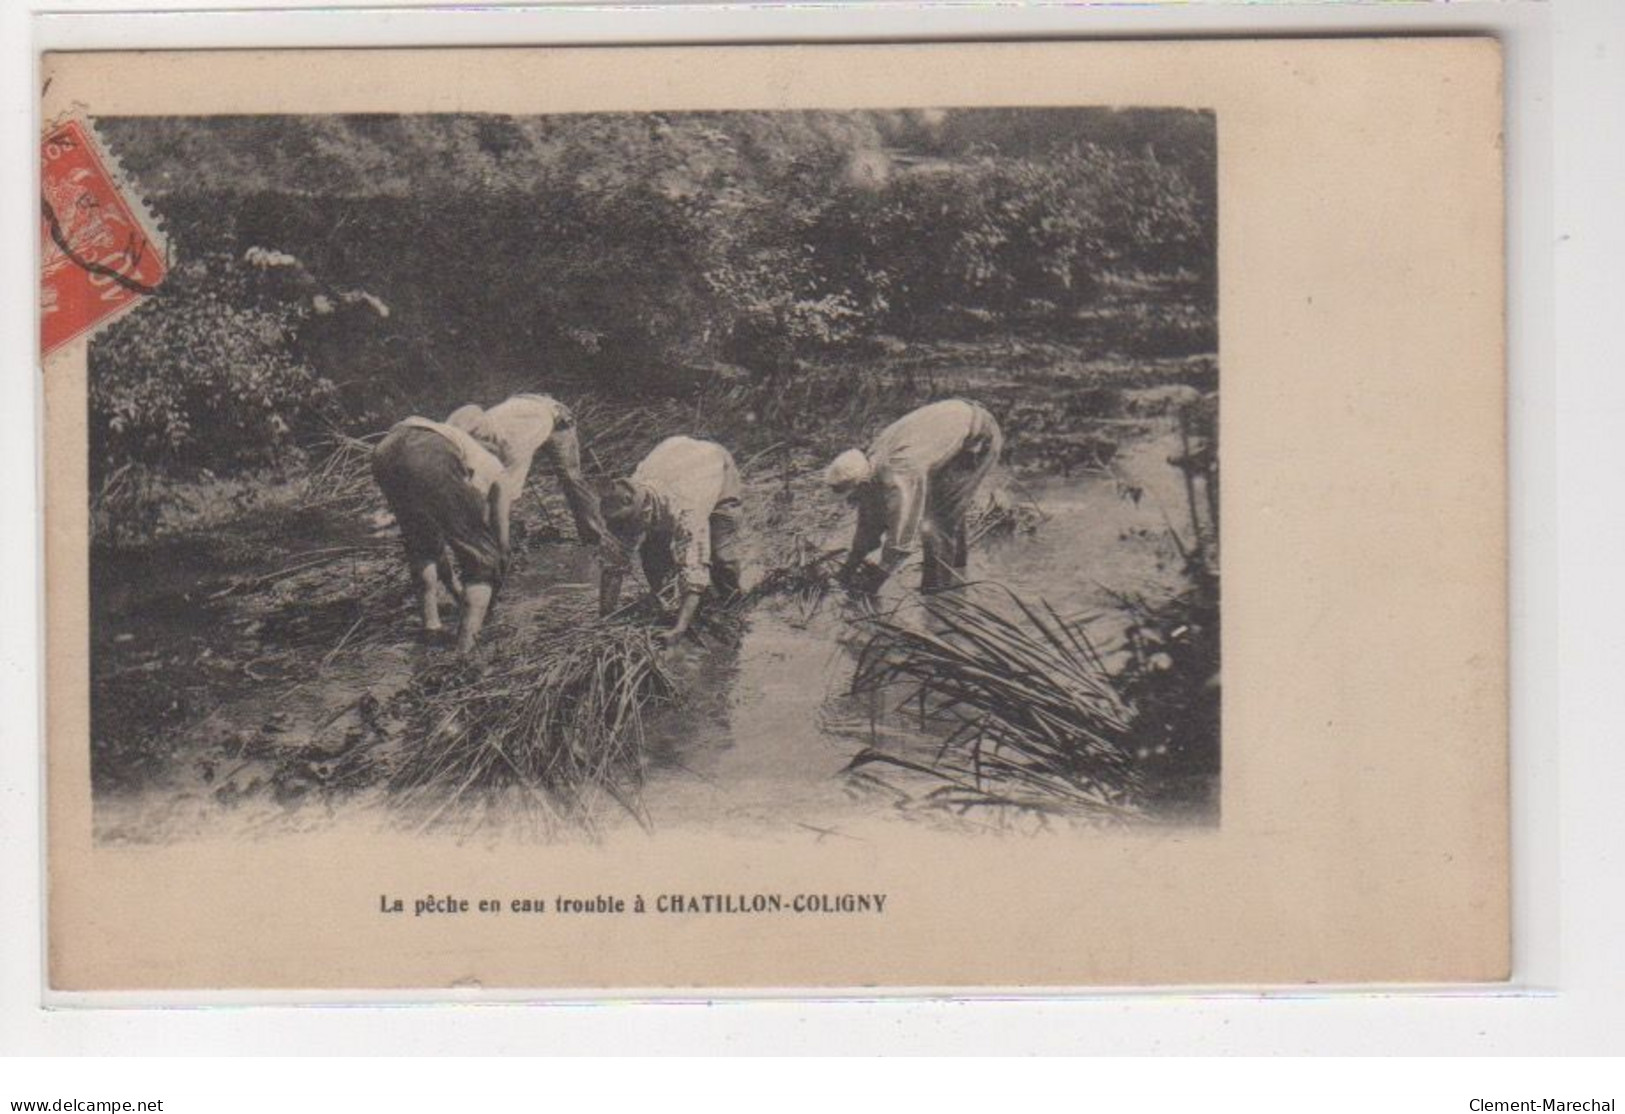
{"x":1566,"y":976}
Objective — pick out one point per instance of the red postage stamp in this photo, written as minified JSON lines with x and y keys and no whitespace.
{"x":99,"y":257}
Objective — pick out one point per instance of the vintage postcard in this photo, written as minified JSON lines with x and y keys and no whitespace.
{"x":656,"y":520}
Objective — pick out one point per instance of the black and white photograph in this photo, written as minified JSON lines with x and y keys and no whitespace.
{"x":698,"y":529}
{"x":540,"y":477}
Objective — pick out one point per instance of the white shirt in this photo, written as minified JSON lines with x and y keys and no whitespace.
{"x":903,"y":457}
{"x":687,"y":478}
{"x":516,"y":428}
{"x":484,"y":468}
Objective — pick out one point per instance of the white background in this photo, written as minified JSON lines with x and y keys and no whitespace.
{"x":1566,"y":151}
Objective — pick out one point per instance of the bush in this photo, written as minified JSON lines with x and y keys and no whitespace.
{"x":1030,"y":716}
{"x":558,"y":251}
{"x":195,"y":379}
{"x":1008,"y":236}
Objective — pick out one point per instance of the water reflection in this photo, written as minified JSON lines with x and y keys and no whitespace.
{"x":770,"y":726}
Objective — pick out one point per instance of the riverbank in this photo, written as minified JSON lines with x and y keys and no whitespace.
{"x":239,"y":662}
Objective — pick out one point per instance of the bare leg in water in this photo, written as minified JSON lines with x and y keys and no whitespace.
{"x":476,"y":603}
{"x":428,"y":582}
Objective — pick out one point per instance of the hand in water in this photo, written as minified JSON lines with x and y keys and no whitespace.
{"x":863,"y":581}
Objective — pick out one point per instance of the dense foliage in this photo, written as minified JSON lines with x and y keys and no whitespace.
{"x":208,"y":376}
{"x":349,"y":267}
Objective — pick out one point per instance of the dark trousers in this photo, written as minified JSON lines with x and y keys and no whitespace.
{"x":945,"y":549}
{"x":425,"y":483}
{"x":660,"y":565}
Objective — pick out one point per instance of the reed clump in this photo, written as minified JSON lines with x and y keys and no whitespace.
{"x":559,"y":719}
{"x":341,"y":479}
{"x":339,"y":598}
{"x":1030,"y":714}
{"x":614,"y":438}
{"x":805,"y":578}
{"x":1004,"y":514}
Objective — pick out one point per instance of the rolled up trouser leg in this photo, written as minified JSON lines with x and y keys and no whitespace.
{"x":726,"y":561}
{"x":426,"y":484}
{"x":961,"y":547}
{"x":952,"y":493}
{"x":936,"y":572}
{"x":564,"y":453}
{"x":402,"y":465}
{"x":475,"y":546}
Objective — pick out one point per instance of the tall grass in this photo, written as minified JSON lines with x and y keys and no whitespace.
{"x":1005,"y":513}
{"x":342,"y":478}
{"x":553,"y":721}
{"x":339,"y":598}
{"x":805,"y":578}
{"x":557,"y":721}
{"x":1032,"y":717}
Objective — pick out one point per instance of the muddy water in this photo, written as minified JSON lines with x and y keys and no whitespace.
{"x":765,"y":744}
{"x":766,"y":727}
{"x":259,"y":706}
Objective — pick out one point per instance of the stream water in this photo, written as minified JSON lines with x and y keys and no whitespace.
{"x":767,"y":741}
{"x":766,"y":727}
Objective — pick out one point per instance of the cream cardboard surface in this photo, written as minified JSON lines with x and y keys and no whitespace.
{"x":1364,"y":831}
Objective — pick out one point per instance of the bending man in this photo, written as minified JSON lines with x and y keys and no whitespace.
{"x":679,"y":514}
{"x":914,"y":487}
{"x":514,"y":430}
{"x":442,"y":487}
